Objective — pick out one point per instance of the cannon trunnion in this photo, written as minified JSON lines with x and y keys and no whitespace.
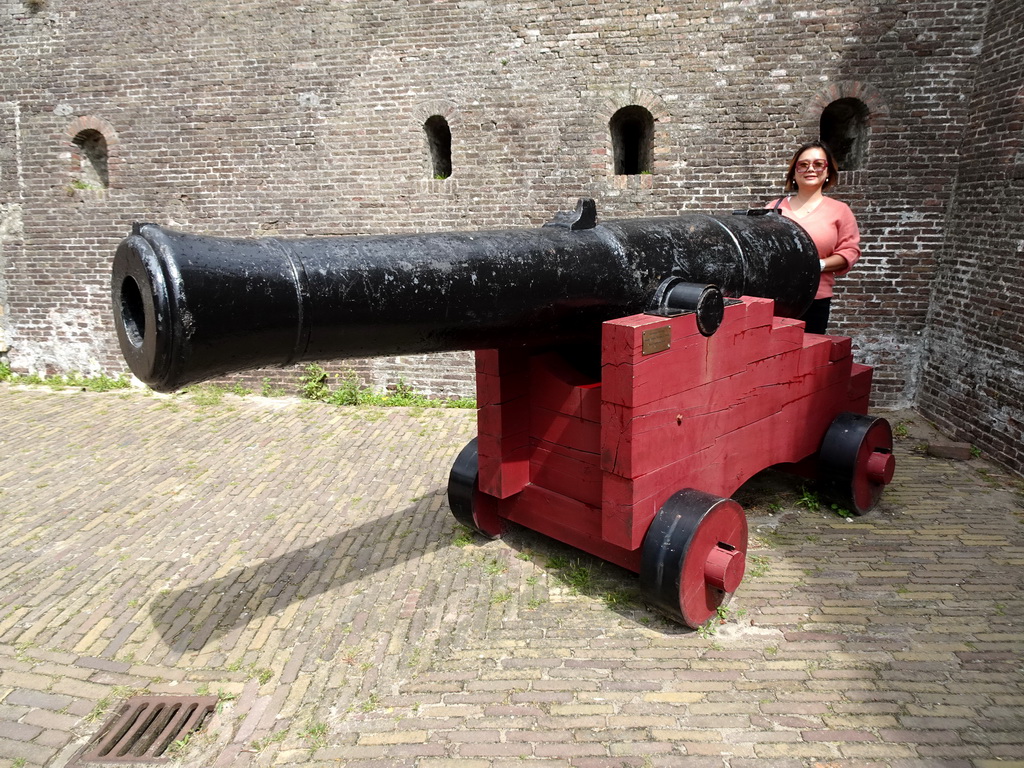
{"x":631,"y":375}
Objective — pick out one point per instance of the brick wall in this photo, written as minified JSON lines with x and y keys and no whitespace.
{"x":973,"y":380}
{"x":287,"y":119}
{"x":10,"y":209}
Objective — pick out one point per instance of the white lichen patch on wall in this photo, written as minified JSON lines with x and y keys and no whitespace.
{"x":75,"y":342}
{"x":10,"y":229}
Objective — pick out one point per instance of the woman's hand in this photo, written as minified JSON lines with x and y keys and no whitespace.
{"x":832,"y":264}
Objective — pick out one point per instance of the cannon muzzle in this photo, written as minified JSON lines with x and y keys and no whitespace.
{"x":190,"y":307}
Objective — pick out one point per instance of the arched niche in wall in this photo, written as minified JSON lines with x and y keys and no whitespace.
{"x":439,"y":144}
{"x":844,"y":127}
{"x":630,"y":118}
{"x":94,"y":154}
{"x":844,"y":115}
{"x":632,"y":135}
{"x":436,"y":120}
{"x":90,"y":167}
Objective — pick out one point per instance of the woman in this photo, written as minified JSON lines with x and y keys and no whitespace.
{"x":830,"y":223}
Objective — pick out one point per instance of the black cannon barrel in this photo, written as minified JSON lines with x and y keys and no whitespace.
{"x":189,"y":307}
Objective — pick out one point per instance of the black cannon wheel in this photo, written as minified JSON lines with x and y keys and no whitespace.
{"x":464,"y":497}
{"x":856,"y":462}
{"x":693,"y":556}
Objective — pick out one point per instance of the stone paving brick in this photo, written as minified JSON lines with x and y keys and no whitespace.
{"x":30,"y":754}
{"x":19,"y":731}
{"x":39,"y":700}
{"x":300,"y":559}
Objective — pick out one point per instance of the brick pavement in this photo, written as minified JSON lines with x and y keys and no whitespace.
{"x":300,"y":561}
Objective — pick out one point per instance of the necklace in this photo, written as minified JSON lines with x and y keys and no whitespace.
{"x":806,"y":209}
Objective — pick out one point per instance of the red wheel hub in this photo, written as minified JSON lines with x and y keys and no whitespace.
{"x":724,"y":568}
{"x":873,"y":467}
{"x":856,"y":462}
{"x":693,"y":555}
{"x":881,"y":467}
{"x":714,"y":562}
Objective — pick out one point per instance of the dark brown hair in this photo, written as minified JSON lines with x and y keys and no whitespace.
{"x":831,"y":178}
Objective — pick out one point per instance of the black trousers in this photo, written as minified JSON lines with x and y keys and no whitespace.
{"x":816,"y":317}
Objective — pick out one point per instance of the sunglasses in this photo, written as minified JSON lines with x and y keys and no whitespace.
{"x":806,"y":165}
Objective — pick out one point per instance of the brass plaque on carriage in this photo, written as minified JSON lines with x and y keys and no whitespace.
{"x":657,"y":339}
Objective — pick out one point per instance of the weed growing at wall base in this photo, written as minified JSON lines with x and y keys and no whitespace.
{"x":101,"y":383}
{"x":315,"y":385}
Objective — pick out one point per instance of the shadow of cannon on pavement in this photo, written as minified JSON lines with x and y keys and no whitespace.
{"x":220,"y":609}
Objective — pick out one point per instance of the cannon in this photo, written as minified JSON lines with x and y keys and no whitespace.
{"x":631,"y":374}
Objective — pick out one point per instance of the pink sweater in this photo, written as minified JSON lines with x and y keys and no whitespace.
{"x":833,"y":229}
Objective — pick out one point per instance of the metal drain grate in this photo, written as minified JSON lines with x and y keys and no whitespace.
{"x":144,"y":727}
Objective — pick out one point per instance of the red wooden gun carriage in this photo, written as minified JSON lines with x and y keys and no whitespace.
{"x":631,"y":375}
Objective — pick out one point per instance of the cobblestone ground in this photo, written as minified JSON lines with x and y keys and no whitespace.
{"x":300,"y":561}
